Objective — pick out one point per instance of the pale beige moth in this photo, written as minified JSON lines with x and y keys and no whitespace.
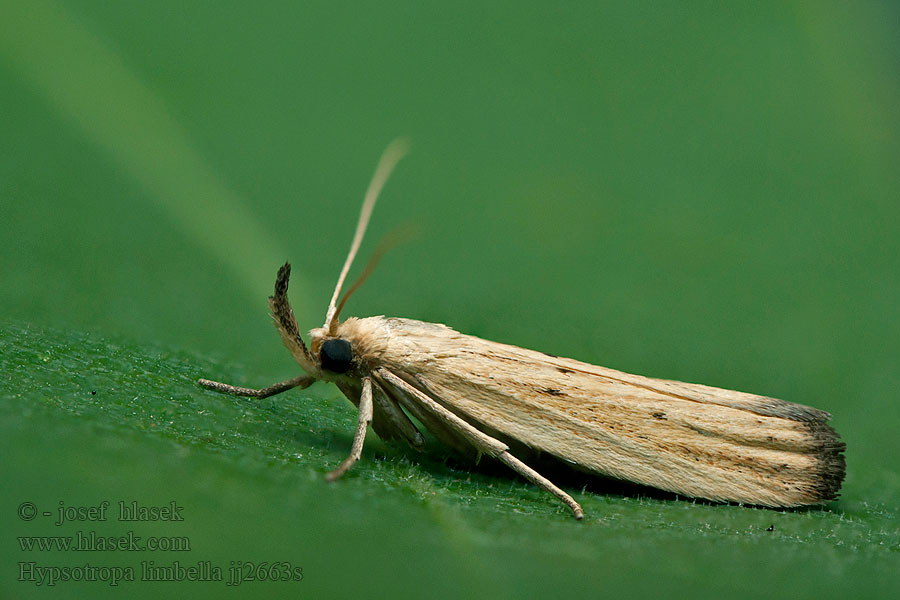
{"x":484,"y":398}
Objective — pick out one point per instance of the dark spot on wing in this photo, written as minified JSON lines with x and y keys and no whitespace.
{"x":564,"y":370}
{"x":552,"y":391}
{"x":660,"y":415}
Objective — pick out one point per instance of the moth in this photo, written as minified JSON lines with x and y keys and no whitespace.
{"x":486,"y":398}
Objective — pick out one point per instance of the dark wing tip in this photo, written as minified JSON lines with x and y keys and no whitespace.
{"x":832,"y":465}
{"x":774,"y":407}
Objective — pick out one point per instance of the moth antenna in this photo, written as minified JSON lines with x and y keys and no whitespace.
{"x":388,"y":242}
{"x":389,"y":159}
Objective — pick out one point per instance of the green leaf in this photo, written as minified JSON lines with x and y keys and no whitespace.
{"x":84,"y":420}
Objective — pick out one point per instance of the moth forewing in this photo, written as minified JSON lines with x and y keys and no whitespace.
{"x":694,"y":440}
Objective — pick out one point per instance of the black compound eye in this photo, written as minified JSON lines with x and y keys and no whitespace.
{"x":336,"y":355}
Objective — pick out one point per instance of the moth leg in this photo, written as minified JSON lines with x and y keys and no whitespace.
{"x":443,"y":432}
{"x":388,"y":420}
{"x":365,"y":417}
{"x":482,"y":442}
{"x":302,"y":382}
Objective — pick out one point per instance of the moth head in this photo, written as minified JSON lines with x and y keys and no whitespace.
{"x":352,"y":351}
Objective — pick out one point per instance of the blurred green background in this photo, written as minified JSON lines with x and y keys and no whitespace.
{"x":684,"y":191}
